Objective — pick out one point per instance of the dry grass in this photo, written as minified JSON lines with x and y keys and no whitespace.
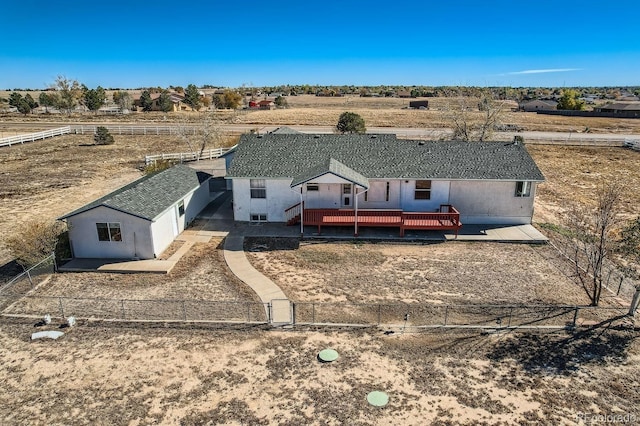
{"x":114,"y":375}
{"x":461,"y":273}
{"x":573,"y":174}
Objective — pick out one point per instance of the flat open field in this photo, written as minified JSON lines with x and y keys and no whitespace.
{"x":115,"y":375}
{"x":324,"y":111}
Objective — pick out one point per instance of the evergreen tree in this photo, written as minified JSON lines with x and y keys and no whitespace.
{"x":350,"y":122}
{"x":145,"y":101}
{"x":192,"y":97}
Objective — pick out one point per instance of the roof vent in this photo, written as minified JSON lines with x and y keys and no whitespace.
{"x":421,"y":143}
{"x":259,"y":136}
{"x":374,"y":136}
{"x":316,"y":136}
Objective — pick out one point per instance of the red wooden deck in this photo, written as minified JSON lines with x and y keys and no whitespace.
{"x":448,"y":218}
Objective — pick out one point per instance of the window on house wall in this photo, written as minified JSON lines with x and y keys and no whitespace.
{"x":258,"y":188}
{"x":313,"y":187}
{"x":423,"y":190}
{"x":258,"y":217}
{"x":346,"y":188}
{"x":181,"y":208}
{"x":523,"y":189}
{"x":108,"y":231}
{"x":366,"y":195}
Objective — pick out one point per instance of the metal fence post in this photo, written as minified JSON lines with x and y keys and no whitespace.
{"x":248,"y":312}
{"x":379,"y":312}
{"x":293,"y":313}
{"x":122,"y":308}
{"x":184,"y":311}
{"x":510,"y":313}
{"x":446,"y":314}
{"x":575,"y":317}
{"x":313,"y":313}
{"x":61,"y":306}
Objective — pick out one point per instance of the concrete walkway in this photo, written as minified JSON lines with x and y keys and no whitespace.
{"x":266,"y":289}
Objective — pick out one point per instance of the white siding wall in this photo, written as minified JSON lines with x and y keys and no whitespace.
{"x":279,"y":197}
{"x":439,"y":195}
{"x":163,"y":230}
{"x":490,"y":202}
{"x":84,"y":235}
{"x":377,"y":195}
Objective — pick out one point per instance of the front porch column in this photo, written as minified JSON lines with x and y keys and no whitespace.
{"x":355,"y":210}
{"x":301,"y":214}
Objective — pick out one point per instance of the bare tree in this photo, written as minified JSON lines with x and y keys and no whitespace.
{"x":206,"y":133}
{"x":34,"y":241}
{"x":69,"y":91}
{"x":592,"y":238}
{"x":473,"y":119}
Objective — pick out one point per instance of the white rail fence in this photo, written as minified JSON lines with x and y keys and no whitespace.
{"x":181,"y":157}
{"x":31,"y":137}
{"x":137,"y":130}
{"x":632,"y":143}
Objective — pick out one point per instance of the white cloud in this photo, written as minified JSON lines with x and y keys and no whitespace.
{"x":543,"y":71}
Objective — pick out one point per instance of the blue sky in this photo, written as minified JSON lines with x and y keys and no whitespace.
{"x":135,"y":43}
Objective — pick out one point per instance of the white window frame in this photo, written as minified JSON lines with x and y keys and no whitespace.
{"x":523,"y":188}
{"x":423,"y":190}
{"x":258,"y":217}
{"x":258,"y":188}
{"x":114,"y":236}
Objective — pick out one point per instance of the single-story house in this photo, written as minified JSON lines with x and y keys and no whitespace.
{"x":177,"y":102}
{"x":621,"y":109}
{"x":379,"y":180}
{"x":141,"y":219}
{"x":539,"y":105}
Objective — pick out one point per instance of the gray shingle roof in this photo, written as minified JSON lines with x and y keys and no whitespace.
{"x":382,"y":157}
{"x":332,"y":166}
{"x":150,"y":195}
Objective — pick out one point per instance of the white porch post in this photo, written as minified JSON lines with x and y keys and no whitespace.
{"x":355,"y":205}
{"x":301,"y":213}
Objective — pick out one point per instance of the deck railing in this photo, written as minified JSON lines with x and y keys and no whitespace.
{"x":292,"y":212}
{"x":446,"y":218}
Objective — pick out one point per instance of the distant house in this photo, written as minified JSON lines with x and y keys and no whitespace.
{"x":141,"y":219}
{"x":419,"y":104}
{"x":539,"y":105}
{"x":177,"y":102}
{"x":379,"y":180}
{"x":267,"y":104}
{"x":404,"y":94}
{"x":621,"y":109}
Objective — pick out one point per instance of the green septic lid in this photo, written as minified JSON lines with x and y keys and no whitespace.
{"x":328,"y":355}
{"x":378,"y":398}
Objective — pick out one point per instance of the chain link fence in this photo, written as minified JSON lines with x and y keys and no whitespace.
{"x":138,"y":310}
{"x":461,"y":316}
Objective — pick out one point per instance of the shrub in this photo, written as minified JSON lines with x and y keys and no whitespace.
{"x":102,"y":136}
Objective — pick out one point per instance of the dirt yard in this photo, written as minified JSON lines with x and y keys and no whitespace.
{"x":447,"y":273}
{"x":115,"y":375}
